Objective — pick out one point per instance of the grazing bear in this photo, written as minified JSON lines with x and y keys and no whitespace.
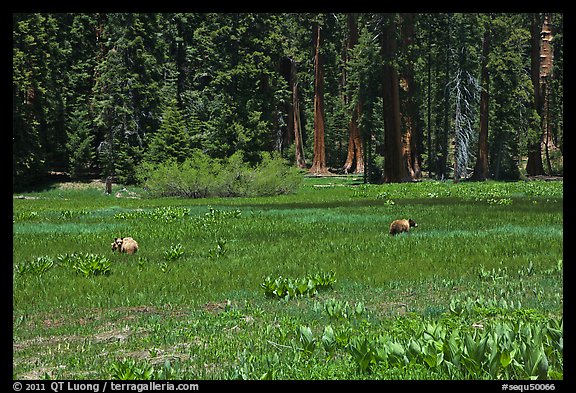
{"x":399,"y":226}
{"x":125,"y":244}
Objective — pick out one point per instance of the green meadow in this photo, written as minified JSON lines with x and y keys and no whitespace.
{"x":302,"y":286}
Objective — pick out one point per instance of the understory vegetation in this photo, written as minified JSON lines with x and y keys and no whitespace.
{"x":200,"y":176}
{"x":304,"y":285}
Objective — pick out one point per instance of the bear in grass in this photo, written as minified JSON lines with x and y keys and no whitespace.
{"x":399,"y":226}
{"x":125,"y":245}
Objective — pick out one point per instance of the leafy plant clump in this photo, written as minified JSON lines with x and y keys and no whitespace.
{"x":129,"y":370}
{"x":176,"y":251}
{"x":215,"y":216}
{"x":340,"y":310}
{"x":165,"y":213}
{"x":502,"y":350}
{"x":200,"y":176}
{"x":36,"y":267}
{"x":287,"y":288}
{"x":86,"y":264}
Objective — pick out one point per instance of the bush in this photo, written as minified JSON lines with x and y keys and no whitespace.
{"x":274,"y":177}
{"x":194,"y":178}
{"x":201,"y":176}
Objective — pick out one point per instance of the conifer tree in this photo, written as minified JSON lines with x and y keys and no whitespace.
{"x":171,"y":141}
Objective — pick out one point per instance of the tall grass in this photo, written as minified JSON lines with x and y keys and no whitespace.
{"x":197,"y":276}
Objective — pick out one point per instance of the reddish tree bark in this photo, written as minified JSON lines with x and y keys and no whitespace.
{"x":355,"y":144}
{"x":294,"y":123}
{"x":319,"y":160}
{"x":394,"y":168}
{"x":411,"y":136}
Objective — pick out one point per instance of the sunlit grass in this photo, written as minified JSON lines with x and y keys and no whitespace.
{"x":206,"y":307}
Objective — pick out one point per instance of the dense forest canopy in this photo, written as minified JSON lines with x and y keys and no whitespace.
{"x":397,"y":97}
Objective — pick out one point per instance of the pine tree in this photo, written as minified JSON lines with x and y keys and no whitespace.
{"x":81,"y":138}
{"x":364,"y":84}
{"x":481,"y":169}
{"x":171,"y":141}
{"x":510,"y":94}
{"x":125,"y":99}
{"x":38,"y":105}
{"x":80,"y":144}
{"x":93,"y":93}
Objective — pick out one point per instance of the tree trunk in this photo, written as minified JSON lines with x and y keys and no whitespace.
{"x":481,"y":169}
{"x":394,"y":168}
{"x":443,"y":138}
{"x":412,"y":135}
{"x":546,"y":66}
{"x":534,"y":165}
{"x":108,"y":190}
{"x":429,"y":104}
{"x":319,"y":160}
{"x":294,"y":123}
{"x":355,"y":145}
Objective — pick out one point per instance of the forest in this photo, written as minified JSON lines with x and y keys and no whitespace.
{"x":397,"y":97}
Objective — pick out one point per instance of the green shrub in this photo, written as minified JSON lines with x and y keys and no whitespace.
{"x":194,"y":178}
{"x":200,"y":176}
{"x":274,"y":177}
{"x":236,"y":177}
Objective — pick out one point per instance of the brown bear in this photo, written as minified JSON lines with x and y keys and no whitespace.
{"x":399,"y":226}
{"x":125,"y":245}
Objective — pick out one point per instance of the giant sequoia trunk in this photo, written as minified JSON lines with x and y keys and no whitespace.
{"x":534,"y":165}
{"x":355,"y":144}
{"x":294,"y":123}
{"x":412,"y":138}
{"x":319,"y":160}
{"x":394,"y":168}
{"x":481,"y":168}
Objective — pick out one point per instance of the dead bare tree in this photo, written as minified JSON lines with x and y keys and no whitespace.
{"x":465,"y":89}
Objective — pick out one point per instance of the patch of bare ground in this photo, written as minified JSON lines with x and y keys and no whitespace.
{"x":26,"y":197}
{"x":545,"y":178}
{"x":158,"y":356}
{"x":40,"y":372}
{"x":215,"y":307}
{"x":97,"y":184}
{"x":43,"y":345}
{"x":116,"y":334}
{"x":110,"y":331}
{"x":82,"y":185}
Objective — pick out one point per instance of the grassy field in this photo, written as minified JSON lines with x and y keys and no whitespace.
{"x":302,"y":286}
